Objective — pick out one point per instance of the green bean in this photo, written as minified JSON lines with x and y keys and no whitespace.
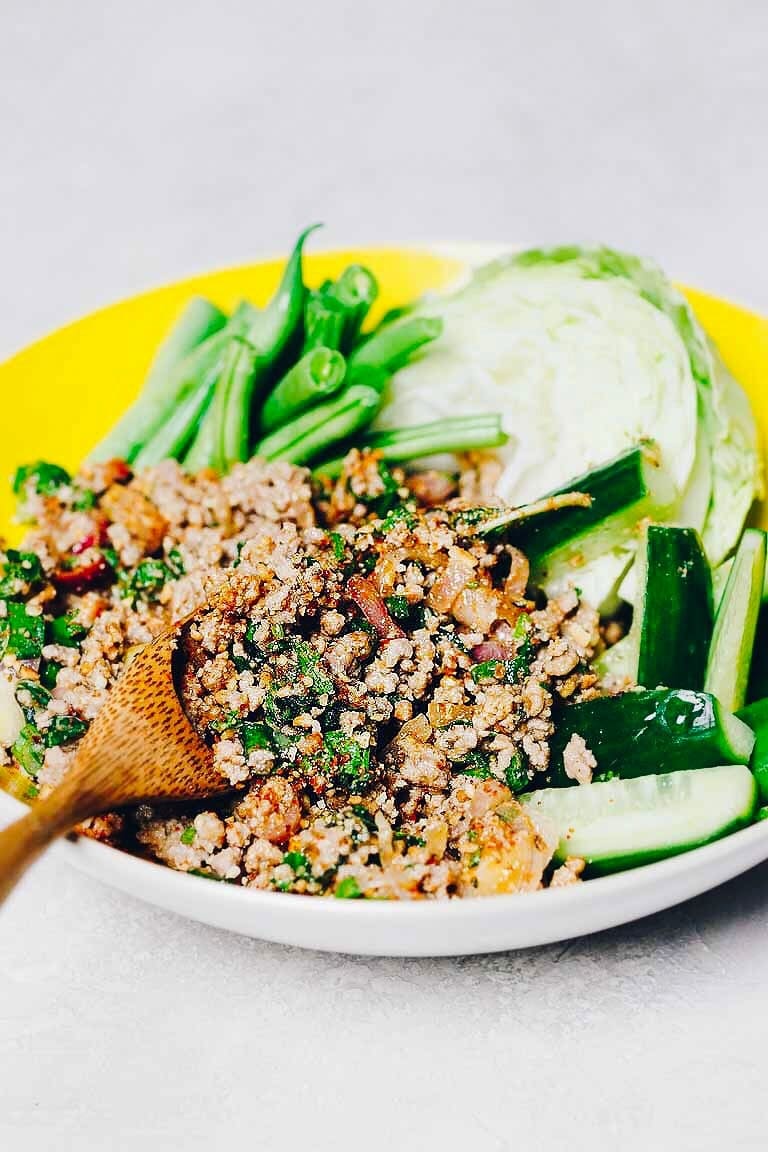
{"x":317,"y":375}
{"x":454,"y":434}
{"x":314,"y":432}
{"x":223,"y":437}
{"x":392,"y":346}
{"x":336,"y":311}
{"x":323,"y":321}
{"x":185,"y":351}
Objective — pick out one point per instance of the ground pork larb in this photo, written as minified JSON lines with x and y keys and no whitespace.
{"x":375,"y":684}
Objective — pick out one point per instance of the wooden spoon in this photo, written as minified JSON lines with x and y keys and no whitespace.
{"x":141,"y":746}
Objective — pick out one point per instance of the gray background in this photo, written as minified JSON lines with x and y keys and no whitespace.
{"x":140,"y":142}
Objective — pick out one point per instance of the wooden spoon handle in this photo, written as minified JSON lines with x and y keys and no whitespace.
{"x":22,"y":842}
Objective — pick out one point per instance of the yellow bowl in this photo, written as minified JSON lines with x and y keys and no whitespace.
{"x":60,"y":395}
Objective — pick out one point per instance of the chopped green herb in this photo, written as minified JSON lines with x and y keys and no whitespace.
{"x":348,"y":889}
{"x":66,"y":631}
{"x":308,"y":661}
{"x":365,"y":818}
{"x":49,"y":673}
{"x":28,"y":751}
{"x":64,"y":729}
{"x":398,"y":608}
{"x":476,"y":764}
{"x":409,"y":839}
{"x":337,"y":543}
{"x":516,"y":775}
{"x":45,"y":478}
{"x":255,"y":735}
{"x":31,"y":696}
{"x":24,"y":634}
{"x":146,"y":580}
{"x":299,"y":863}
{"x":21,"y":571}
{"x":84,"y":500}
{"x":401,"y":514}
{"x":474,"y":859}
{"x":189,"y":834}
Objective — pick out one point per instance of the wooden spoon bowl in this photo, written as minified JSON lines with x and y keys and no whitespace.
{"x":140,"y":747}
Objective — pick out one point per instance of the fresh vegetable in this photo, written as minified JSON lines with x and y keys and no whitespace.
{"x":318,"y":374}
{"x":733,"y":638}
{"x":667,"y":730}
{"x":756,"y":716}
{"x":544,"y":337}
{"x":336,"y":311}
{"x":167,"y":381}
{"x":620,"y":824}
{"x":310,"y":435}
{"x":392,"y":347}
{"x":671,"y":629}
{"x":562,"y":543}
{"x":465,"y":434}
{"x":19,"y":574}
{"x":22,"y":634}
{"x":224,"y":436}
{"x":44,"y":478}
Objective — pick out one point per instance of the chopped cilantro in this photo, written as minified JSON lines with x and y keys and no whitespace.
{"x":409,"y":839}
{"x":516,"y":775}
{"x":508,"y":671}
{"x":146,"y":580}
{"x":45,"y":478}
{"x":20,"y":572}
{"x":476,"y":764}
{"x":23,"y":633}
{"x":31,"y":695}
{"x":474,"y":860}
{"x":398,"y":608}
{"x":348,"y":889}
{"x":67,"y":631}
{"x":299,"y":863}
{"x":255,"y":735}
{"x":84,"y":500}
{"x":64,"y":729}
{"x":189,"y":834}
{"x":365,"y":817}
{"x":337,"y":543}
{"x":308,"y":661}
{"x":49,"y":673}
{"x":28,"y":751}
{"x":400,"y":514}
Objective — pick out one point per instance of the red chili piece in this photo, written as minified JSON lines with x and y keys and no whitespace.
{"x":363,"y":593}
{"x":80,"y":579}
{"x":98,"y":537}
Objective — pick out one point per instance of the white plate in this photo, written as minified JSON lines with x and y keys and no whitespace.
{"x":420,"y":928}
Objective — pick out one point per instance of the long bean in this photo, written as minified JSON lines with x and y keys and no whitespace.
{"x":453,"y":434}
{"x":186,"y":350}
{"x":336,"y":311}
{"x":392,"y":346}
{"x":310,"y":435}
{"x":317,"y":376}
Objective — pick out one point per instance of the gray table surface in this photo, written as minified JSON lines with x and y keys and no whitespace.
{"x":141,"y":142}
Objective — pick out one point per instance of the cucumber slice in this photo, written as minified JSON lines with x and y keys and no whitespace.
{"x":672,"y":625}
{"x":667,"y":730}
{"x":733,"y":638}
{"x":624,"y":823}
{"x":624,"y":491}
{"x":756,"y":716}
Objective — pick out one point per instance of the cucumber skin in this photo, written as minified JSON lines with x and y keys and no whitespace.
{"x":668,"y":729}
{"x":678,"y":615}
{"x":728,"y":668}
{"x":756,"y":715}
{"x":620,"y":862}
{"x":608,"y":864}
